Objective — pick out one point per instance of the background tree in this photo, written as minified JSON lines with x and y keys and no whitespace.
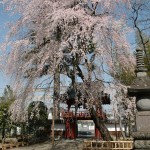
{"x":5,"y":101}
{"x":141,"y":23}
{"x":37,"y":116}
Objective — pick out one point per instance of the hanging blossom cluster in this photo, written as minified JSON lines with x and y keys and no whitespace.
{"x":126,"y":105}
{"x":18,"y":112}
{"x":48,"y":29}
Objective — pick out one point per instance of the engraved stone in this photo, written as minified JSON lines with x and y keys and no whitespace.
{"x":143,"y":121}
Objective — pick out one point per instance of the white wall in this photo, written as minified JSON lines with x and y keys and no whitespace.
{"x":59,"y":127}
{"x":111,"y":127}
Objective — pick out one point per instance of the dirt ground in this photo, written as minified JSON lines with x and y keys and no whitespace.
{"x":59,"y":145}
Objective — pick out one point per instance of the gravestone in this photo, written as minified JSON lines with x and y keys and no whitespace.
{"x":140,"y":88}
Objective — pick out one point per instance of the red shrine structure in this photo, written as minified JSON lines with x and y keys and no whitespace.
{"x":71,"y":123}
{"x":70,"y":117}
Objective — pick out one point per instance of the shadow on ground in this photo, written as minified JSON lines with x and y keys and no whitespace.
{"x":59,"y":145}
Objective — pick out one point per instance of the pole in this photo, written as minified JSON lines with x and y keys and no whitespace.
{"x":54,"y":98}
{"x":116,"y":126}
{"x":53,"y":124}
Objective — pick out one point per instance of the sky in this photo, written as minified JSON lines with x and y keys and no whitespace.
{"x":4,"y":18}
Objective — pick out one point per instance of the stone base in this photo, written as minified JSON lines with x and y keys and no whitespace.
{"x":141,"y":135}
{"x":141,"y":149}
{"x":142,"y":144}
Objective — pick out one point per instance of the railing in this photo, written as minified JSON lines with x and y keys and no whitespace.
{"x":12,"y":145}
{"x":108,"y":145}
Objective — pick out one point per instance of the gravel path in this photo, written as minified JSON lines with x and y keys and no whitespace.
{"x":59,"y":145}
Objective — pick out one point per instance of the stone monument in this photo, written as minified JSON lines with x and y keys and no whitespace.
{"x":140,"y":88}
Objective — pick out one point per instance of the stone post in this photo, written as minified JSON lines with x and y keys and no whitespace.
{"x":140,"y":88}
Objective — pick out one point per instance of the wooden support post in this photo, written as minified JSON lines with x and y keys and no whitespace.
{"x":97,"y":134}
{"x":71,"y":129}
{"x":67,"y":132}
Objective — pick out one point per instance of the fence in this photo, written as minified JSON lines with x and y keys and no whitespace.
{"x":108,"y":145}
{"x":13,"y":145}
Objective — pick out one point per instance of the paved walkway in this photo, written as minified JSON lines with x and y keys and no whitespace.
{"x":59,"y":145}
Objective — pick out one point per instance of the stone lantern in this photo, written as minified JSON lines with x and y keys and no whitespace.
{"x":140,"y":88}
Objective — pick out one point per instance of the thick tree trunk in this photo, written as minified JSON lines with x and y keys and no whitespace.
{"x":3,"y":131}
{"x":98,"y":122}
{"x":56,"y":107}
{"x":56,"y":94}
{"x":100,"y":125}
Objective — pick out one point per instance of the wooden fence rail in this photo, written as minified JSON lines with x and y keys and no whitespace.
{"x":108,"y":145}
{"x":13,"y":145}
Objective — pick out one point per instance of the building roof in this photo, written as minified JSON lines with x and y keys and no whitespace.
{"x":140,"y":84}
{"x":95,"y":88}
